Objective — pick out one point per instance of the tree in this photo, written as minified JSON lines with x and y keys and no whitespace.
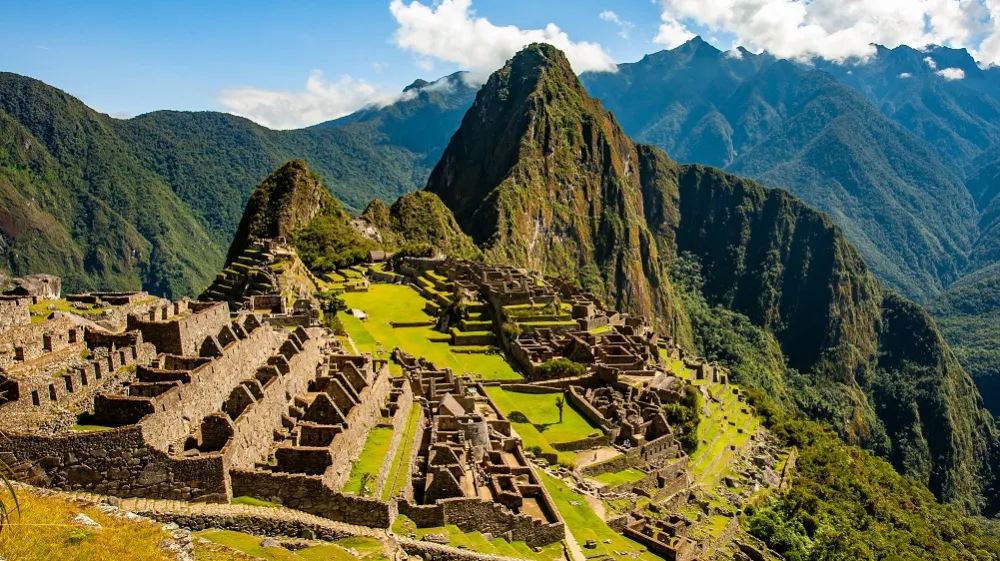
{"x":559,"y":404}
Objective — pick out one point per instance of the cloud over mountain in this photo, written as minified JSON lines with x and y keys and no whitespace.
{"x":450,"y":31}
{"x":837,"y":29}
{"x":321,"y":100}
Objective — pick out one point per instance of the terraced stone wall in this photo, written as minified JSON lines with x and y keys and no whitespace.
{"x":182,"y":334}
{"x":310,"y":494}
{"x":115,"y":462}
{"x":347,"y":446}
{"x":179,"y":409}
{"x":254,"y":428}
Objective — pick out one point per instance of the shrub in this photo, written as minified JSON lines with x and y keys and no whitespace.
{"x":559,"y":368}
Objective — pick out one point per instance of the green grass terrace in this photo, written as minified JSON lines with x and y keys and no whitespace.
{"x":385,"y":304}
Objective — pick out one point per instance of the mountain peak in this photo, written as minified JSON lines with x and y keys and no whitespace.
{"x":417,"y":84}
{"x":541,"y":176}
{"x":288,"y":199}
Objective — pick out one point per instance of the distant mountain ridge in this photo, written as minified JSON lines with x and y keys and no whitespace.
{"x":153,"y":201}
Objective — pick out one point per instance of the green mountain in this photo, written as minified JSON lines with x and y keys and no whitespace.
{"x":419,"y":219}
{"x":78,"y":203}
{"x":541,"y":176}
{"x":803,"y":130}
{"x":959,"y":119}
{"x":153,"y":201}
{"x":288,"y":200}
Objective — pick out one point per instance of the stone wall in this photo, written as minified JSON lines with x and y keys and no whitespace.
{"x":182,"y":334}
{"x":310,"y":494}
{"x":252,"y":524}
{"x":404,"y":404}
{"x":78,"y":384}
{"x":477,"y":515}
{"x":434,"y":552}
{"x":14,"y":311}
{"x":582,"y":444}
{"x":253,"y":429}
{"x":114,"y":462}
{"x":182,"y":408}
{"x":347,"y":446}
{"x":624,"y":461}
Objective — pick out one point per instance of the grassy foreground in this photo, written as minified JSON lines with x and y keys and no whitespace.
{"x":44,"y":531}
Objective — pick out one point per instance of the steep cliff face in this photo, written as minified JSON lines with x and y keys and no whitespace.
{"x":541,"y":176}
{"x":287,"y":200}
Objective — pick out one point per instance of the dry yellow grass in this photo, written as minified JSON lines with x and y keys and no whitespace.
{"x":44,"y":531}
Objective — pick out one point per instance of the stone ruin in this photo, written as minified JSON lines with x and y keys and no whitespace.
{"x":191,"y":402}
{"x":250,"y":284}
{"x":470,"y":471}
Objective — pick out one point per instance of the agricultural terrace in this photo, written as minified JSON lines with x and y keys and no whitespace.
{"x":585,"y":524}
{"x":384,"y":304}
{"x":370,"y":460}
{"x":721,"y":433}
{"x":249,"y":547}
{"x":475,"y":541}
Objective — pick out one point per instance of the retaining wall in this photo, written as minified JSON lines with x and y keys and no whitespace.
{"x":253,"y":433}
{"x":399,"y":420}
{"x":114,"y":462}
{"x":179,"y":410}
{"x":347,"y":445}
{"x":310,"y":494}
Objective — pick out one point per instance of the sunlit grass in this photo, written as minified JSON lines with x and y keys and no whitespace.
{"x":44,"y":531}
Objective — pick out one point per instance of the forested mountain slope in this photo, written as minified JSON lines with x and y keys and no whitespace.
{"x":153,"y":201}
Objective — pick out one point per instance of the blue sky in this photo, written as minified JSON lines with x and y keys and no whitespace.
{"x":296,"y":63}
{"x":132,"y":57}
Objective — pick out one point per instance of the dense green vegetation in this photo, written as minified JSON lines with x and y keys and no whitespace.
{"x":844,"y":503}
{"x":419,"y":220}
{"x":558,"y":368}
{"x":969,"y":317}
{"x":541,"y":176}
{"x":779,"y":291}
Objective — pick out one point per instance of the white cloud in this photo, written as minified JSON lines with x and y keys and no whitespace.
{"x":672,"y":33}
{"x":424,"y":63}
{"x":951,"y":73}
{"x":838,"y":29}
{"x":320,"y":101}
{"x":930,"y":62}
{"x":378,"y":67}
{"x":449,"y":30}
{"x":905,"y":75}
{"x":734,"y":53}
{"x":624,"y":26}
